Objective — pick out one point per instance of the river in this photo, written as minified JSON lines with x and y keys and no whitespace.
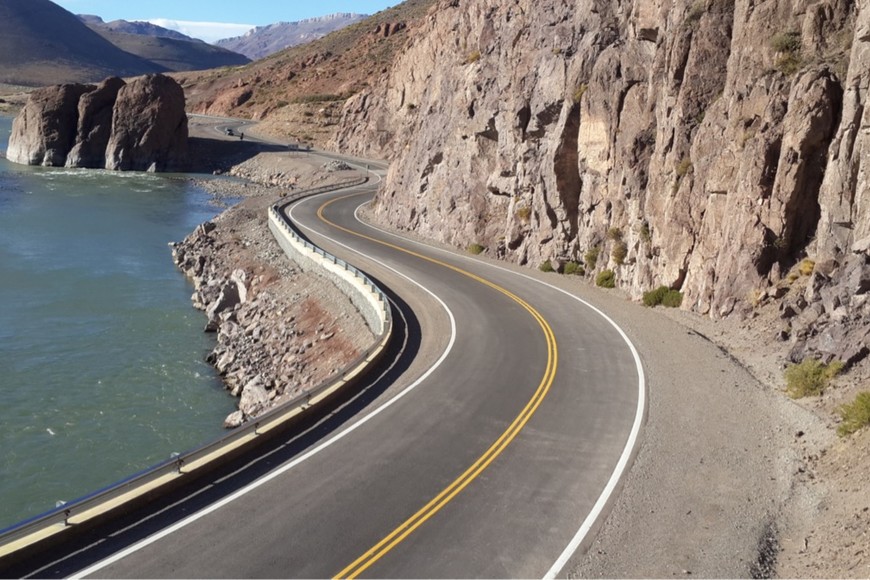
{"x":102,"y":368}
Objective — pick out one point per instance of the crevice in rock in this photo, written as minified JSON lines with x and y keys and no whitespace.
{"x":566,"y":169}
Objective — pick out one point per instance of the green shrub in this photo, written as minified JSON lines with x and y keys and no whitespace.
{"x":788,"y":45}
{"x":591,"y":257}
{"x":664,"y":296}
{"x":524,"y":212}
{"x":673,"y":299}
{"x":476,"y":248}
{"x":683,"y":167}
{"x":573,"y":269}
{"x":810,"y":377}
{"x":806,"y":267}
{"x":547,"y":266}
{"x":619,"y":252}
{"x":645,"y":233}
{"x":786,"y":42}
{"x":789,"y":63}
{"x":606,"y":279}
{"x":855,"y":415}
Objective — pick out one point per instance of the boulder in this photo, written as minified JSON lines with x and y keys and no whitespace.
{"x":137,"y":126}
{"x":45,"y":130}
{"x":149,"y":126}
{"x":95,"y":113}
{"x":254,"y":398}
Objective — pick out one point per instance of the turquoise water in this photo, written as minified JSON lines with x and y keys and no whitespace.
{"x":101,"y":353}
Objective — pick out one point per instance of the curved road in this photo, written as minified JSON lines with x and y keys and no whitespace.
{"x":488,"y":456}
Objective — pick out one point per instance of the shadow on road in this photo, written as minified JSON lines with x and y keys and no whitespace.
{"x":315,"y":427}
{"x":219,"y":155}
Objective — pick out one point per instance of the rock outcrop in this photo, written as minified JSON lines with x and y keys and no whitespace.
{"x":707,"y":145}
{"x":149,"y":126}
{"x":137,"y":126}
{"x":42,"y":133}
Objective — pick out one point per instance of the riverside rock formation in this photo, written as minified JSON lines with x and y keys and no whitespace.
{"x":137,"y":126}
{"x":706,"y":145}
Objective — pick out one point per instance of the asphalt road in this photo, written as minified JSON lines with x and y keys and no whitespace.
{"x":514,"y":518}
{"x":511,"y":405}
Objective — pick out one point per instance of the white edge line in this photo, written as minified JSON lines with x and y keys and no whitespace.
{"x":265,"y":479}
{"x":631,"y":443}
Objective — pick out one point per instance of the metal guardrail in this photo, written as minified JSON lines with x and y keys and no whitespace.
{"x":186,"y":466}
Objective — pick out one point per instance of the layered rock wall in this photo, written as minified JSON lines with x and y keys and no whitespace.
{"x":707,"y":145}
{"x":137,"y":126}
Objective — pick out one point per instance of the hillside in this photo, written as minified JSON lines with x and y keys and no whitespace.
{"x":299,"y":92}
{"x":171,"y":53}
{"x":41,"y":44}
{"x":264,"y":41}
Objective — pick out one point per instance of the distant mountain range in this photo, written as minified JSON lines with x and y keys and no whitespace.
{"x":167,"y":48}
{"x":43,"y":44}
{"x":137,"y":27}
{"x":263,"y":41}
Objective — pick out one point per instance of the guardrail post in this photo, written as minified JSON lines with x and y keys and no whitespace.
{"x":257,"y":428}
{"x":66,"y":515}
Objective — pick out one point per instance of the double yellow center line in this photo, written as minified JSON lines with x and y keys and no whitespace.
{"x":395,"y":537}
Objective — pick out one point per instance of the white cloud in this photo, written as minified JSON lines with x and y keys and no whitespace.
{"x":207,"y":31}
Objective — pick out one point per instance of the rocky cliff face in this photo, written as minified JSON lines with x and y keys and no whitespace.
{"x":119,"y":126}
{"x":707,"y":145}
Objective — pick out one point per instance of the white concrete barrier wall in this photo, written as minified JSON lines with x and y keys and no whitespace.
{"x":361,"y":291}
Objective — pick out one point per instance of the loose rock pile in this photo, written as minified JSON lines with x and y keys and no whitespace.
{"x":336,"y":165}
{"x":829,"y":319}
{"x":271,"y":344}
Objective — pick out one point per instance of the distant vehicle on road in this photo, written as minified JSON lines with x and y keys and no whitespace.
{"x":230,"y":133}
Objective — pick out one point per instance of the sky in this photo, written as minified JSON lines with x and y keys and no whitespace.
{"x":211,"y":20}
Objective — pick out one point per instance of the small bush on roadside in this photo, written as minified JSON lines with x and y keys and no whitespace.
{"x":591,"y":257}
{"x":664,"y":296}
{"x":810,"y":377}
{"x":547,"y":266}
{"x":606,"y":279}
{"x":573,"y":269}
{"x":855,"y":415}
{"x":476,"y":248}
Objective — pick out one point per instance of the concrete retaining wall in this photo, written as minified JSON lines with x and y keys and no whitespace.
{"x":361,"y":291}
